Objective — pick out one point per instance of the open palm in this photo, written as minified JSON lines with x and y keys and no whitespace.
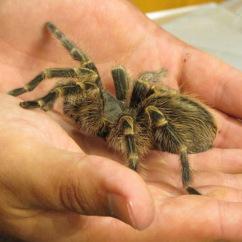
{"x":116,"y":33}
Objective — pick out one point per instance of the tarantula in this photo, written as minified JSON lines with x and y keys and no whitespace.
{"x":138,"y":119}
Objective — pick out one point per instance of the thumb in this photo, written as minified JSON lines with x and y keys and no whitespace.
{"x":54,"y":179}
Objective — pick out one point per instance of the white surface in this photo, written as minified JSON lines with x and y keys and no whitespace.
{"x":214,"y":29}
{"x":177,"y":11}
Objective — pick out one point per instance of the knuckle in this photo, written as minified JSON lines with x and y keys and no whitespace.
{"x":81,"y":194}
{"x":72,"y":197}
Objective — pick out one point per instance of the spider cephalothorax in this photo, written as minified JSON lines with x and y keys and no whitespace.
{"x":139,"y":118}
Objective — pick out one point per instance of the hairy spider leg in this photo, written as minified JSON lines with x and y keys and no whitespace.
{"x":158,"y":121}
{"x":47,"y":73}
{"x":46,"y":102}
{"x":126,"y":124}
{"x":121,"y":82}
{"x":141,"y":90}
{"x":156,"y":117}
{"x":82,"y":73}
{"x":186,"y":172}
{"x":73,"y":50}
{"x":86,"y":80}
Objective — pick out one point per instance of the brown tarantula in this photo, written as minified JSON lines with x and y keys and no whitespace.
{"x":138,"y":119}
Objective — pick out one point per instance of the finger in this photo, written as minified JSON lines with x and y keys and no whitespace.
{"x":216,"y":82}
{"x":56,"y":180}
{"x":207,"y":168}
{"x":222,"y":193}
{"x":166,"y":167}
{"x":185,"y":216}
{"x":217,"y":160}
{"x":201,"y":179}
{"x":170,"y":171}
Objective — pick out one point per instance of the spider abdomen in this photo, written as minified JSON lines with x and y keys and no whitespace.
{"x":189,"y":124}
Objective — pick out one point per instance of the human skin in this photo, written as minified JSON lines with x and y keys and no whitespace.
{"x":41,"y":154}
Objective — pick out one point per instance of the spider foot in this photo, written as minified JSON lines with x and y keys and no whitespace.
{"x":192,"y":191}
{"x":29,"y":104}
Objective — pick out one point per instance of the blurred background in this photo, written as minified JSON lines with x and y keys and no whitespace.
{"x":154,"y":5}
{"x":212,"y":26}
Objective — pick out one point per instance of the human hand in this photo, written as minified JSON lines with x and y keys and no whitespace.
{"x":47,"y":181}
{"x":139,"y":45}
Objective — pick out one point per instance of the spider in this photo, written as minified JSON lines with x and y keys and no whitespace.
{"x":142,"y":117}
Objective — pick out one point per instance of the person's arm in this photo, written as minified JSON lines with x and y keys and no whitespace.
{"x":37,"y":154}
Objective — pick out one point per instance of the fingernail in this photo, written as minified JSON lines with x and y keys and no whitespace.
{"x":121,"y":209}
